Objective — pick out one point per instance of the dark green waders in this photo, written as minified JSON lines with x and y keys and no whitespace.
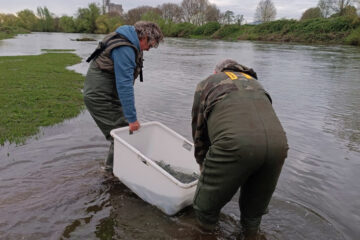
{"x":102,"y":101}
{"x":248,"y":150}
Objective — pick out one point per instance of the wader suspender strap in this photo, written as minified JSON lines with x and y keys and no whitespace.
{"x":103,"y":46}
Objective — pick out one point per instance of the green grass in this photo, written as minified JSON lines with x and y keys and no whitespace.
{"x":37,"y":91}
{"x":57,"y":50}
{"x":10,"y":32}
{"x":4,"y":35}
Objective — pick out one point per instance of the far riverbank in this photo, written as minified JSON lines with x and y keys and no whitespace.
{"x":343,"y":30}
{"x":337,"y":30}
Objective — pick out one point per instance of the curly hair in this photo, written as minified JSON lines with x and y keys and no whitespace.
{"x":229,"y":64}
{"x":150,"y":30}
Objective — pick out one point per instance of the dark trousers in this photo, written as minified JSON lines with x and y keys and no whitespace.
{"x":248,"y":150}
{"x":101,"y":100}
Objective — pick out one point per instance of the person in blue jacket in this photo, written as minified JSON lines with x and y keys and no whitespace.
{"x":115,"y":64}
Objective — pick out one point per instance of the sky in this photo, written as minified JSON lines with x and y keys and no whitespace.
{"x":285,"y":8}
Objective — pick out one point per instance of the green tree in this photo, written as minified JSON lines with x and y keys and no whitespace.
{"x":153,"y":16}
{"x":108,"y":23}
{"x":27,"y":19}
{"x":67,"y":24}
{"x":8,"y":20}
{"x":86,"y":18}
{"x":46,"y":20}
{"x":311,"y":13}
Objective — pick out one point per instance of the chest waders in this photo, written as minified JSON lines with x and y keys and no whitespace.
{"x":248,"y":149}
{"x":100,"y":94}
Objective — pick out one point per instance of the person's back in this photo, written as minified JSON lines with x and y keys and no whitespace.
{"x":244,"y":112}
{"x":247,"y":147}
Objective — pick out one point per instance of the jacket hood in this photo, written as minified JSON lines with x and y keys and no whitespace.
{"x":130,"y":33}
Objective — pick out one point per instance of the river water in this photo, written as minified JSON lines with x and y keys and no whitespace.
{"x":52,"y":186}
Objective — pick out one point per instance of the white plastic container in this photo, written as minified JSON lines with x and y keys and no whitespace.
{"x":135,"y":158}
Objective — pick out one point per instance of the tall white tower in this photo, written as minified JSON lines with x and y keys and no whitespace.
{"x":106,"y":6}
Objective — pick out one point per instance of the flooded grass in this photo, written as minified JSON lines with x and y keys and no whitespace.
{"x":37,"y":91}
{"x":57,"y":50}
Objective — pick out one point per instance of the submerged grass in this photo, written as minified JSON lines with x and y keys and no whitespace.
{"x":10,"y":32}
{"x":37,"y":91}
{"x":57,"y":50}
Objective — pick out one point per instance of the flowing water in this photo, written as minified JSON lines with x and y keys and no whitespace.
{"x":52,"y":187}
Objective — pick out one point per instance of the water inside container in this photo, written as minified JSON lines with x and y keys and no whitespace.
{"x":177,"y":173}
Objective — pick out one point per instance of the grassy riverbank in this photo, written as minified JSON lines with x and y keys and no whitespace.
{"x":336,"y":30}
{"x":10,"y":32}
{"x":37,"y":91}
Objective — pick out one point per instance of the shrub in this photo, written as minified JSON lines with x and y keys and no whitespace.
{"x":275,"y":26}
{"x":227,"y":31}
{"x":211,"y":27}
{"x":354,"y":38}
{"x":182,"y":30}
{"x":199,"y":30}
{"x":311,"y":13}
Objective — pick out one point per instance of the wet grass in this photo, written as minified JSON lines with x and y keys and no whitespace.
{"x":4,"y":35}
{"x":57,"y":50}
{"x":10,"y":32}
{"x":37,"y":91}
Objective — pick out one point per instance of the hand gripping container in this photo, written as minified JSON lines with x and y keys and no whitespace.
{"x":135,"y":164}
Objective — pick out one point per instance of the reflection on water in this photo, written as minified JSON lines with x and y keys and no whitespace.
{"x":52,"y":187}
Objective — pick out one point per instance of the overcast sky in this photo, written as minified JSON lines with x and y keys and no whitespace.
{"x":285,"y":8}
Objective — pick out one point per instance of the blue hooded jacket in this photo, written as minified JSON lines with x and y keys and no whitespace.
{"x":124,"y":66}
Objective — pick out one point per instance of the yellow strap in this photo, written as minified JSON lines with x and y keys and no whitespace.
{"x":247,"y":76}
{"x":231,"y":75}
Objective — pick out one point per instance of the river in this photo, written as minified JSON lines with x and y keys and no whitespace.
{"x":52,"y":186}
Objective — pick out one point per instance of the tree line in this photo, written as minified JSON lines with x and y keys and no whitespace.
{"x":191,"y":18}
{"x":333,"y":8}
{"x":94,"y":19}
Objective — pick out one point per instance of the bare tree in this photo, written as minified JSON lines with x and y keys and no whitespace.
{"x":194,"y":11}
{"x":357,"y":4}
{"x":212,"y":13}
{"x":239,"y":19}
{"x":135,"y":14}
{"x":265,"y":11}
{"x":171,"y":12}
{"x":229,"y":17}
{"x":325,"y":7}
{"x":339,"y":6}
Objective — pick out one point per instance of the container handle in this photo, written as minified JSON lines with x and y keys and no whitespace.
{"x":142,"y":159}
{"x":187,"y":146}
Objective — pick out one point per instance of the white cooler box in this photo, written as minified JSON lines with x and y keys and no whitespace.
{"x":136,"y":159}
